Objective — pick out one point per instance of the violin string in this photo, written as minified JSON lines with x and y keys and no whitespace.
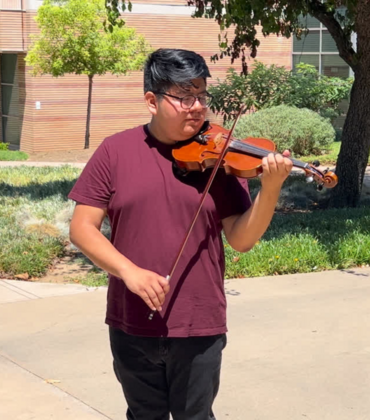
{"x":261,"y":152}
{"x":250,"y":148}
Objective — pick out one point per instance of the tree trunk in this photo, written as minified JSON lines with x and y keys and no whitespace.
{"x":354,"y":151}
{"x":87,"y":134}
{"x":355,"y":148}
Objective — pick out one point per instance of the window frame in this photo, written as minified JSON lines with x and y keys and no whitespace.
{"x":321,"y":28}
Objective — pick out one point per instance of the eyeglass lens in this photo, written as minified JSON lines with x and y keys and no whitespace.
{"x":188,"y":101}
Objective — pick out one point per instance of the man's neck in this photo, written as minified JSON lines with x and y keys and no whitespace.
{"x":156,"y":132}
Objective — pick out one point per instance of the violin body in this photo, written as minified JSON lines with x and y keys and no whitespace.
{"x":243,"y":158}
{"x":198,"y":156}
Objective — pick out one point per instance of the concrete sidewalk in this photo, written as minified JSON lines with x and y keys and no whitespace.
{"x":298,"y":348}
{"x":15,"y":290}
{"x":40,"y":164}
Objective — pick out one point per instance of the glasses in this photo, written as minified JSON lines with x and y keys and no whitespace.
{"x":189,"y":100}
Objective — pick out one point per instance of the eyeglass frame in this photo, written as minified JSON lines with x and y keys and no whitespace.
{"x":207,"y":95}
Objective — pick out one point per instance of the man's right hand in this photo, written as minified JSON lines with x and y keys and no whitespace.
{"x":85,"y":234}
{"x":150,"y":286}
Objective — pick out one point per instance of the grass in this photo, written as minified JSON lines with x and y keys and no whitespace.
{"x":10,"y":155}
{"x":303,"y":237}
{"x":34,"y":218}
{"x":329,"y":158}
{"x":306,"y":242}
{"x":94,"y":278}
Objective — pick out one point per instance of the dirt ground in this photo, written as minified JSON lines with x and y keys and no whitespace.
{"x":80,"y":156}
{"x":68,"y":269}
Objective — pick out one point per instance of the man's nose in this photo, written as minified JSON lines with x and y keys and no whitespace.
{"x":197,"y":106}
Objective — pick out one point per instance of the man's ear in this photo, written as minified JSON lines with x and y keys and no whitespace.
{"x":151,"y":102}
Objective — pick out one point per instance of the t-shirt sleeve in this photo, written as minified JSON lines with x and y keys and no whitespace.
{"x":231,"y":195}
{"x":94,"y":186}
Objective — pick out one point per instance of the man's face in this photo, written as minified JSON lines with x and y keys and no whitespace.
{"x":173,"y":115}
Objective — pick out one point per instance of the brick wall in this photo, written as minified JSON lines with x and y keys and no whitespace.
{"x":11,"y":33}
{"x":11,"y":4}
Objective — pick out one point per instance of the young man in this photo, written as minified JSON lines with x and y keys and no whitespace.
{"x":170,"y":364}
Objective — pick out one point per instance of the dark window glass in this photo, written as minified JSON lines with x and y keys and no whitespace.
{"x":6,"y":98}
{"x":328,"y":43}
{"x":308,"y":43}
{"x":8,"y":67}
{"x":4,"y":122}
{"x":334,"y":66}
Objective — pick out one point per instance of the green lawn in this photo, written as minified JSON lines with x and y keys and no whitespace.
{"x":328,"y":159}
{"x":306,"y":242}
{"x":10,"y":155}
{"x":303,"y":237}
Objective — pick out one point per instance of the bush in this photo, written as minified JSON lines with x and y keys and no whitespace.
{"x":4,"y":146}
{"x":300,"y":130}
{"x":266,"y":87}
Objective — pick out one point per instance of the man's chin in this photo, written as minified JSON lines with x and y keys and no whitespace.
{"x":192,"y":127}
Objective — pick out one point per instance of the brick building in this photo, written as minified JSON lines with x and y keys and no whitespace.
{"x":45,"y":113}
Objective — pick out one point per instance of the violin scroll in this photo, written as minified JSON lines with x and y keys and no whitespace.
{"x":326,"y":178}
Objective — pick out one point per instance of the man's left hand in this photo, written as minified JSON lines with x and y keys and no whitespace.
{"x":276,"y":169}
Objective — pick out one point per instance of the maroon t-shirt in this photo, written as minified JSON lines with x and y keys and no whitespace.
{"x":150,"y":208}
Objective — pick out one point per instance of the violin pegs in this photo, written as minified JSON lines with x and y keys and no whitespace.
{"x":316,"y":163}
{"x":320,"y":187}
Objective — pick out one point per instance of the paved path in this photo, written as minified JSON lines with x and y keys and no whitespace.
{"x":298,"y":349}
{"x":40,"y":164}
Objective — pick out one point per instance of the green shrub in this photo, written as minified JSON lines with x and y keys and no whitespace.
{"x":4,"y":146}
{"x":300,"y":130}
{"x":269,"y":86}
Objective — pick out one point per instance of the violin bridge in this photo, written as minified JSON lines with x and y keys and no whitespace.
{"x":218,"y":140}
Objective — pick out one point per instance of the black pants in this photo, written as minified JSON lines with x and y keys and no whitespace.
{"x":159,"y":376}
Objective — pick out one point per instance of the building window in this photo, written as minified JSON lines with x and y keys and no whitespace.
{"x":317,"y":47}
{"x":9,"y":100}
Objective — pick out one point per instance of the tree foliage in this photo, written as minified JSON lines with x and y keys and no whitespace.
{"x":265,"y":87}
{"x":282,"y":18}
{"x":72,"y":40}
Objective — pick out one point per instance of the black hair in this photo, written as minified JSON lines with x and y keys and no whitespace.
{"x":167,"y":67}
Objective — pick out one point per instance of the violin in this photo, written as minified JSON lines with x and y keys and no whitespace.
{"x":243,"y":158}
{"x":214,"y":147}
